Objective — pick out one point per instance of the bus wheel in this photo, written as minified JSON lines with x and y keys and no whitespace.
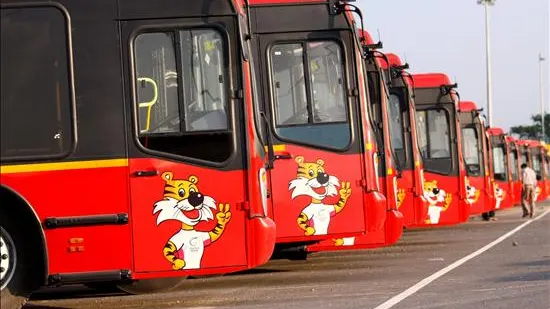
{"x":137,"y":287}
{"x":15,"y":274}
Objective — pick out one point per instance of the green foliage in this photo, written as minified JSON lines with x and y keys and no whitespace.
{"x":533,"y":131}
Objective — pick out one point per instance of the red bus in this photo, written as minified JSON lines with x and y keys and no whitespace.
{"x":410,"y":169}
{"x":504,"y":170}
{"x":515,"y":172}
{"x":389,"y":120}
{"x":134,"y":153}
{"x":479,"y":188}
{"x":312,"y":114}
{"x":439,"y":140}
{"x":537,"y":152}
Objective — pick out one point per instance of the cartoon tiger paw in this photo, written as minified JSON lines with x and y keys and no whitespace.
{"x":309,"y":231}
{"x":224,"y":215}
{"x":338,"y":242}
{"x":400,"y":197}
{"x":178,"y":264}
{"x":345,"y":190}
{"x":448,"y":199}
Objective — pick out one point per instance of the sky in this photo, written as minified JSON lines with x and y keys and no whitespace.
{"x":448,"y":36}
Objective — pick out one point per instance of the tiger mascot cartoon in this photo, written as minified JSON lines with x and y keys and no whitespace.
{"x":438,"y":201}
{"x":499,"y":195}
{"x":472,"y":194}
{"x":537,"y":193}
{"x":400,"y":197}
{"x":313,"y":181}
{"x":185,"y":203}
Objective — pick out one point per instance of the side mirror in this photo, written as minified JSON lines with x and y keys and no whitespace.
{"x":473,"y":169}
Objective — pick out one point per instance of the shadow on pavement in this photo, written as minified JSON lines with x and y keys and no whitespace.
{"x":529,"y":277}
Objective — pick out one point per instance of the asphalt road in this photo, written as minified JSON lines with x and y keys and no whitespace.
{"x":514,"y":273}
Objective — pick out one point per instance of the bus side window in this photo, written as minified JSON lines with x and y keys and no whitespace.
{"x":182,"y":94}
{"x":36,"y":101}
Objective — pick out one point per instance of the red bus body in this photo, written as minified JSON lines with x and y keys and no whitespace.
{"x":410,"y":184}
{"x":536,"y":152}
{"x":397,"y":178}
{"x":121,"y":201}
{"x":480,"y":191}
{"x":504,"y":170}
{"x":332,"y":152}
{"x":440,"y":144}
{"x":515,"y":171}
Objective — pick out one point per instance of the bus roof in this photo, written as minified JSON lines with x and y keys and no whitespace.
{"x":467,"y":106}
{"x":495,"y":131}
{"x":430,"y":80}
{"x":367,"y":36}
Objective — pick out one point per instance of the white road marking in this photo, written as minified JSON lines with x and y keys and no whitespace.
{"x":424,"y":282}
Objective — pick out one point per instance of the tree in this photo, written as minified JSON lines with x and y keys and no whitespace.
{"x":533,"y":131}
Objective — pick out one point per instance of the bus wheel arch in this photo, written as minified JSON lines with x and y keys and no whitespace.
{"x":29,"y":251}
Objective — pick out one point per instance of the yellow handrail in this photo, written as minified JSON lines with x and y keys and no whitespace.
{"x":149,"y":104}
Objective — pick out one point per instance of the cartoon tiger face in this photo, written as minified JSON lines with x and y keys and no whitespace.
{"x":472,"y":194}
{"x":432,"y":193}
{"x":499,"y":193}
{"x":312,"y":180}
{"x":183,"y":201}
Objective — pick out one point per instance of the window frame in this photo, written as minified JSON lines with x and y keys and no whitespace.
{"x":182,"y":108}
{"x":349,"y":109}
{"x":234,"y":81}
{"x":70,"y":82}
{"x":431,"y":164}
{"x":504,"y":159}
{"x":479,"y":147}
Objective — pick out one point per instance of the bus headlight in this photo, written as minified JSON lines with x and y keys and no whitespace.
{"x":263,"y":188}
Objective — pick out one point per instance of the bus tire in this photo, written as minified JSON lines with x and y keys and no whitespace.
{"x":19,"y":271}
{"x":138,"y":287}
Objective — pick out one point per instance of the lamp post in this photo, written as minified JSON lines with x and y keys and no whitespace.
{"x":541,"y":86}
{"x":486,"y":4}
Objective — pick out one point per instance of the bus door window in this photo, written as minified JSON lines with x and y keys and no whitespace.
{"x":514,"y":164}
{"x":308,"y":91}
{"x":537,"y":163}
{"x":499,"y":163}
{"x":182,"y":93}
{"x":397,"y":128}
{"x":434,"y":141}
{"x":472,"y":152}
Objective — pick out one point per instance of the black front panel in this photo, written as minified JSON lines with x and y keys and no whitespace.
{"x":295,"y":18}
{"x":436,"y":130}
{"x":472,"y":143}
{"x":132,"y":9}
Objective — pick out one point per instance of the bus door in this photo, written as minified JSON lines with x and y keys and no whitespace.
{"x":515,"y":172}
{"x":313,"y":116}
{"x":410,"y":200}
{"x":502,"y":188}
{"x":474,"y":153}
{"x":187,"y":170}
{"x":536,"y":159}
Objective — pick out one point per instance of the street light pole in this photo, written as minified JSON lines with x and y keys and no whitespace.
{"x":541,"y":86}
{"x":486,"y":4}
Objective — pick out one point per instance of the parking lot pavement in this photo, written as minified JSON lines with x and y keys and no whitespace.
{"x":515,"y":273}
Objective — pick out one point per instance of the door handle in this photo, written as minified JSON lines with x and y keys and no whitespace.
{"x":146,"y":173}
{"x":283,"y":156}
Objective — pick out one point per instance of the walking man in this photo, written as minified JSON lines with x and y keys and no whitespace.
{"x":529,"y":179}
